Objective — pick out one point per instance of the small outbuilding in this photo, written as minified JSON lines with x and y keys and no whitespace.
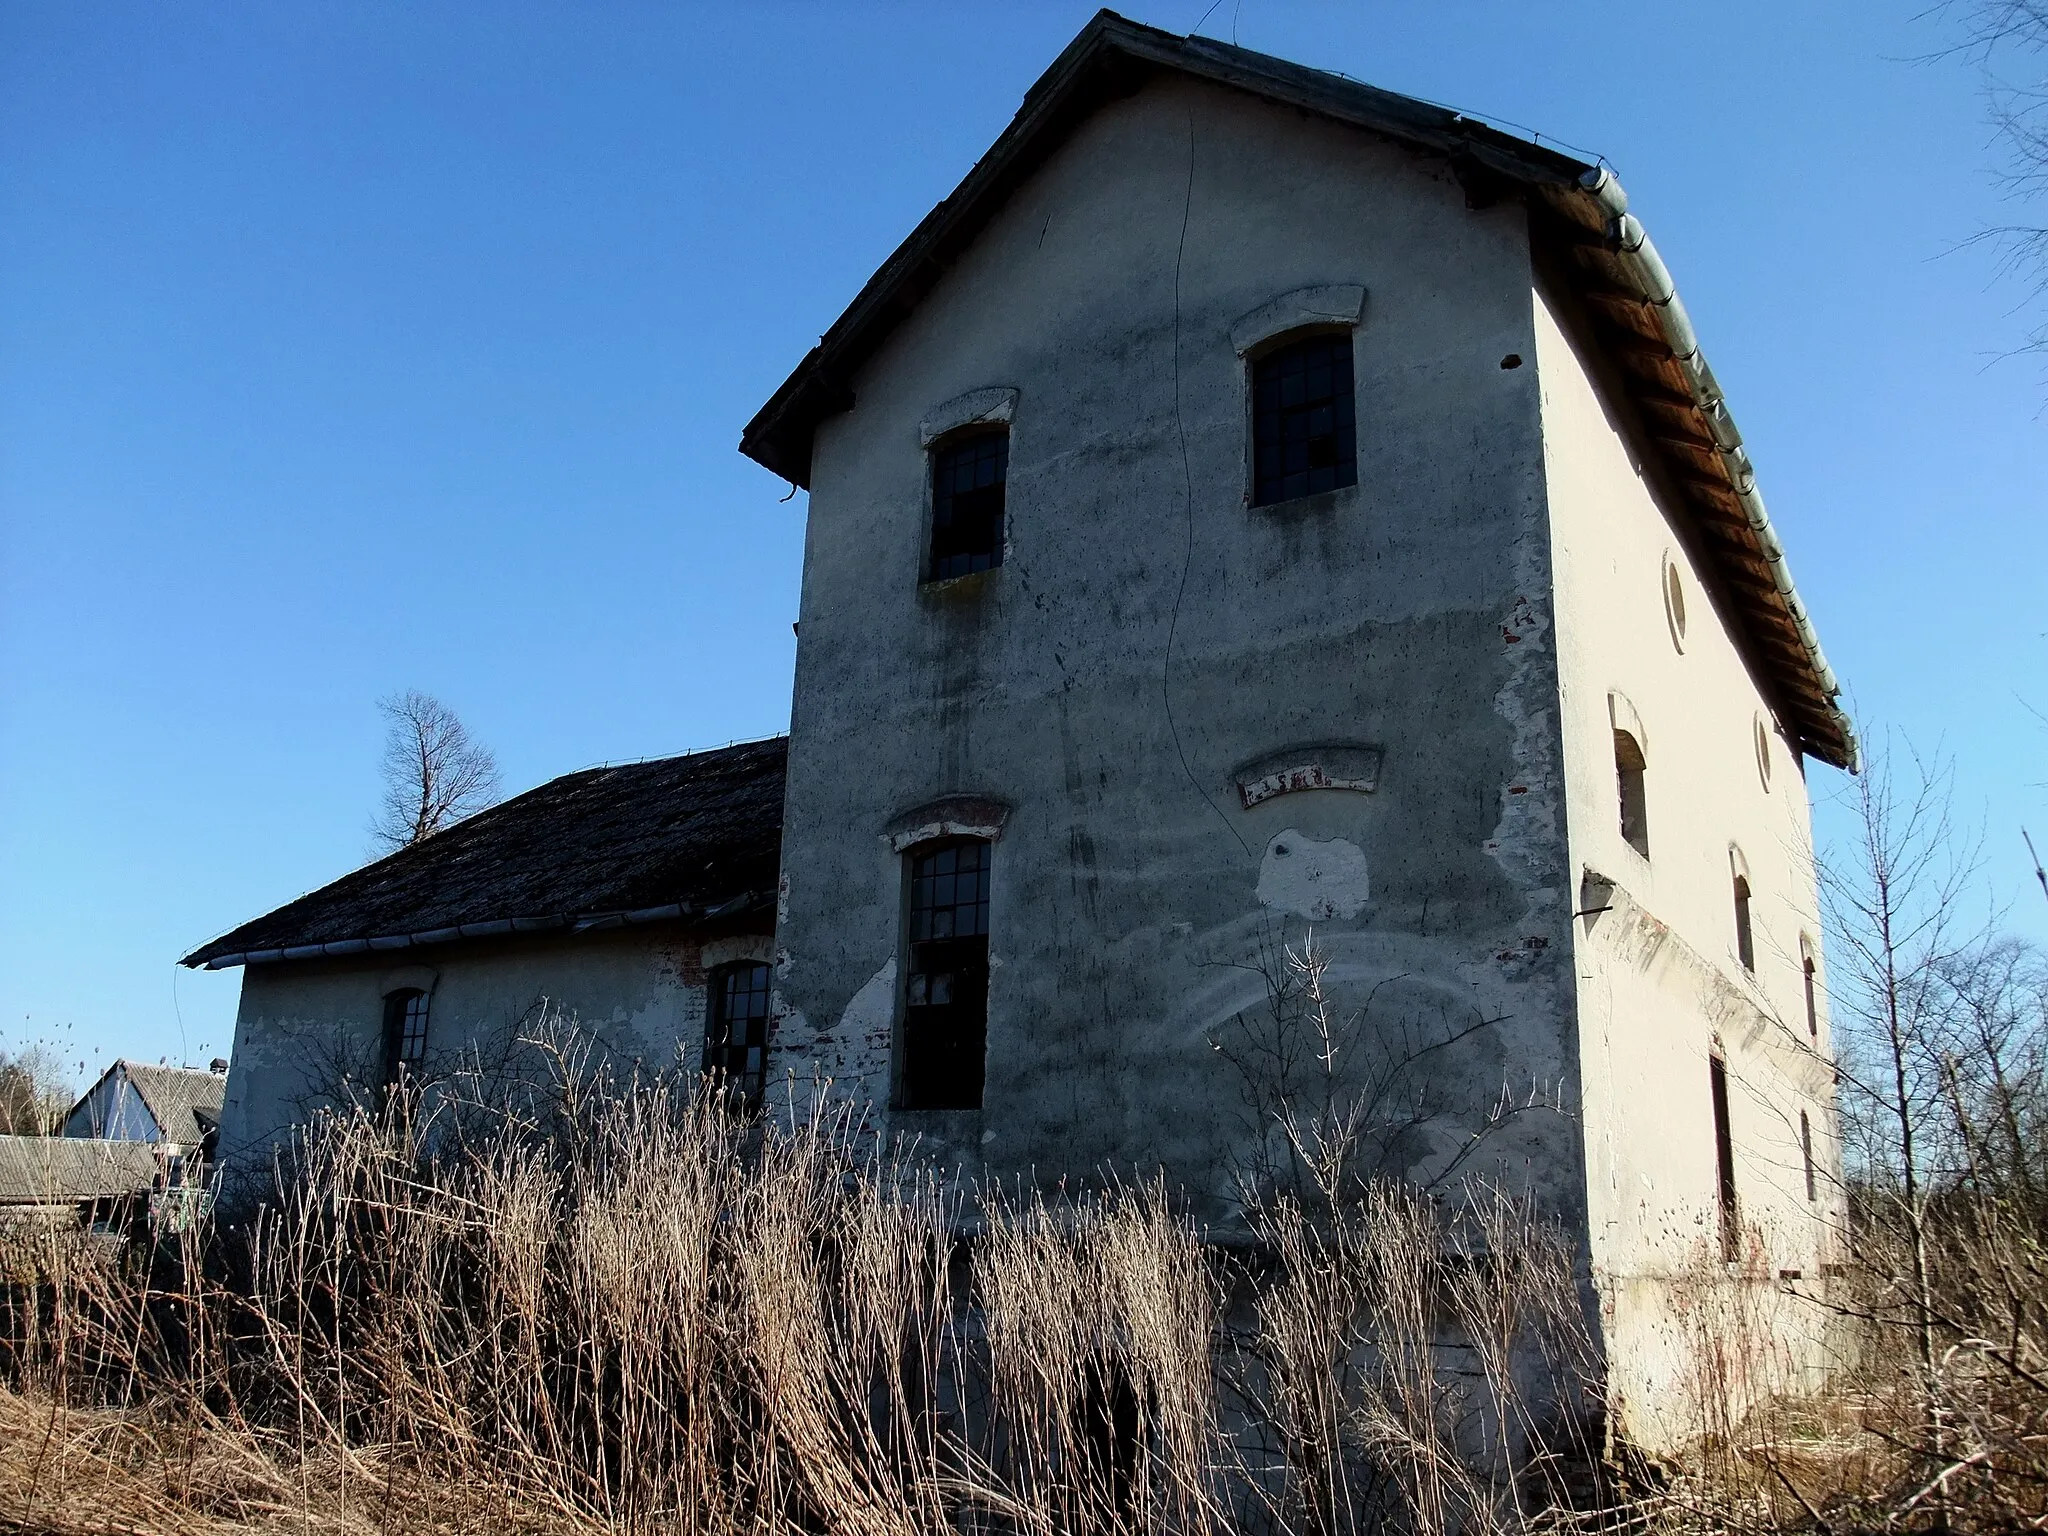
{"x":65,"y":1179}
{"x":174,"y":1108}
{"x":636,"y":899}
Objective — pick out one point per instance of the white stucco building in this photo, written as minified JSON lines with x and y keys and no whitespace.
{"x":1251,"y":503}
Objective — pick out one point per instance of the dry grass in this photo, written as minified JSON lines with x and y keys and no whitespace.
{"x":631,"y":1313}
{"x":620,"y":1310}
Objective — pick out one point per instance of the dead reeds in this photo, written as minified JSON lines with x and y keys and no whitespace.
{"x":629,"y":1311}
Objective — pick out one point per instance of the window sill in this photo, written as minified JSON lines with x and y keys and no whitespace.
{"x":1315,"y":504}
{"x":946,"y":1124}
{"x":957,"y":588}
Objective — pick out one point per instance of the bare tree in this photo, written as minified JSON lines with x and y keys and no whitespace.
{"x":1942,"y":1025}
{"x":434,"y":773}
{"x":2001,"y":36}
{"x":33,"y":1094}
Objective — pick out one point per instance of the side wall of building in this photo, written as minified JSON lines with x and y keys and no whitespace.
{"x":308,"y":1028}
{"x":1662,"y":988}
{"x":1149,"y":633}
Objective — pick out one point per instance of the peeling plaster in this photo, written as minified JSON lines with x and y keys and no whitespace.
{"x":1316,"y":880}
{"x":873,"y":1007}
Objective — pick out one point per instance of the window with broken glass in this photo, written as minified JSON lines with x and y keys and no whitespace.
{"x":736,"y":1032}
{"x":405,"y":1033}
{"x":945,"y":994}
{"x":1304,"y":439}
{"x":968,"y":481}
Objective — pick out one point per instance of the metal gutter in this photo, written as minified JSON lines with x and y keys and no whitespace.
{"x":587,"y":922}
{"x":1652,"y":279}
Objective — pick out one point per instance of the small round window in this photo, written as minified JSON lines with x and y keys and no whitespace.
{"x":1763,"y":752}
{"x":1674,"y":601}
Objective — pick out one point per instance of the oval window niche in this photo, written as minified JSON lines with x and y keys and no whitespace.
{"x":1674,"y":601}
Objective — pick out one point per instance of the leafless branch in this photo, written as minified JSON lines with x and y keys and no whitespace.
{"x":434,"y":773}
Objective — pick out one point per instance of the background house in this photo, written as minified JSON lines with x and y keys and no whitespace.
{"x":175,"y":1108}
{"x":65,"y":1179}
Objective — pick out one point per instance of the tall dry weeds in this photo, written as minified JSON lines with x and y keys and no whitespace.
{"x":626,"y":1311}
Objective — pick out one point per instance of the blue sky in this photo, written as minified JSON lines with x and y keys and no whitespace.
{"x":346,"y":348}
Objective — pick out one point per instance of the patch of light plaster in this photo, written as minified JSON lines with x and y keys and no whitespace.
{"x":873,"y":1006}
{"x":1315,"y":880}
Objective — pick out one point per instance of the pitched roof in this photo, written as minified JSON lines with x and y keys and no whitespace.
{"x":61,"y":1170}
{"x":184,"y":1100}
{"x":694,"y":836}
{"x":1580,"y":220}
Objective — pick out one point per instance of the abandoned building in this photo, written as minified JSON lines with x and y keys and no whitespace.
{"x":1252,"y":505}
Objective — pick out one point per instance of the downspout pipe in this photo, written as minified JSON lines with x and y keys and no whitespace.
{"x":1652,"y":280}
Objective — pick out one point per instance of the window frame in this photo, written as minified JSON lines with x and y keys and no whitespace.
{"x":1727,"y":1200}
{"x":1263,"y":354}
{"x":1745,"y":923}
{"x":916,"y":1086}
{"x":745,"y":1090}
{"x":1806,"y":1157}
{"x":935,"y":453}
{"x":404,"y":1048}
{"x":1633,"y":809}
{"x":1809,"y":971}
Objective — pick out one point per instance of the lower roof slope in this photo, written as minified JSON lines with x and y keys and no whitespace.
{"x":692,"y":836}
{"x":64,"y":1170}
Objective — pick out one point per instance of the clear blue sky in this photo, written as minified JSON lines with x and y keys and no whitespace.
{"x":346,"y":348}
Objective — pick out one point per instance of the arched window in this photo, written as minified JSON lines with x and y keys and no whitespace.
{"x":1812,"y":1002}
{"x":1745,"y":940}
{"x":1629,"y":766}
{"x":943,"y":1048}
{"x":1806,"y":1155}
{"x":969,"y":476}
{"x":736,"y":1032}
{"x":1724,"y":1162}
{"x":405,"y":1032}
{"x":1304,"y":436}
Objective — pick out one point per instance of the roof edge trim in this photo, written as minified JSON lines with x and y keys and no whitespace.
{"x":585,"y":922}
{"x":1657,"y":289}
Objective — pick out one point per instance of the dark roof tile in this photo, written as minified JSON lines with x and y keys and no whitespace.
{"x":699,"y":833}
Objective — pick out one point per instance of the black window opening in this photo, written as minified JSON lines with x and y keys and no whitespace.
{"x":1806,"y":1155}
{"x":1812,"y":1007}
{"x":945,"y":990}
{"x":968,"y":478}
{"x":405,"y":1033}
{"x":736,"y":1033}
{"x":1629,"y":768}
{"x":1304,"y":438}
{"x":1724,"y":1163}
{"x":1745,"y":939}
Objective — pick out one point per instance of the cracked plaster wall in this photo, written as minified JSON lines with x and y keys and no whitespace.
{"x":637,"y":995}
{"x":1133,"y":896}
